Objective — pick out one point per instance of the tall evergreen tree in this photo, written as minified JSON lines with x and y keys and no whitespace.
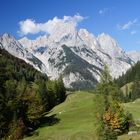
{"x":61,"y":89}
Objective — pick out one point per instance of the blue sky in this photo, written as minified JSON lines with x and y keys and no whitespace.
{"x":118,"y":18}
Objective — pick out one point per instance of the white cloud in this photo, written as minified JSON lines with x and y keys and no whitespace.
{"x":133,"y":32}
{"x":30,"y":26}
{"x":127,"y":25}
{"x":103,"y":11}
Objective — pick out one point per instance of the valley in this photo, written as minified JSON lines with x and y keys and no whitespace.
{"x":69,"y":70}
{"x":42,"y":109}
{"x":78,"y":120}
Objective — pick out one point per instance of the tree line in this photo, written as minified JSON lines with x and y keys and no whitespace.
{"x":25,"y":96}
{"x":131,"y":76}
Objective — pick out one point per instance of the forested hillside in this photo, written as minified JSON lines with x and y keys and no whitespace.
{"x":25,"y":96}
{"x":90,"y":115}
{"x":130,"y":83}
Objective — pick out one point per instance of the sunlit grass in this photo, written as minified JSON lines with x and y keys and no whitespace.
{"x":77,"y":120}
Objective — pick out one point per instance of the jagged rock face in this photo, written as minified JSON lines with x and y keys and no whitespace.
{"x":77,"y":55}
{"x":134,"y":55}
{"x":13,"y":46}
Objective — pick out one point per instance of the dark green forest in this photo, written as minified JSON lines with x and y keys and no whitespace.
{"x":132,"y":75}
{"x":26,"y":95}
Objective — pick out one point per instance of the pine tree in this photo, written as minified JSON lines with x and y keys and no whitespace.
{"x":52,"y":97}
{"x":61,"y":90}
{"x":42,"y":89}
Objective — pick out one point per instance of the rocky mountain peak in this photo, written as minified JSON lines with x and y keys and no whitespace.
{"x":77,"y":55}
{"x":134,"y":55}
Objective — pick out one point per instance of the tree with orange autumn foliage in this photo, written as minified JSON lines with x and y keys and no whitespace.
{"x":112,"y":118}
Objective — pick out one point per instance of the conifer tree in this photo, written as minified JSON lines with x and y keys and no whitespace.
{"x":61,"y":89}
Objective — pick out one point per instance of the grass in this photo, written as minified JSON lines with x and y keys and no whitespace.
{"x":134,"y":108}
{"x":77,"y":120}
{"x":127,"y":88}
{"x":129,"y":137}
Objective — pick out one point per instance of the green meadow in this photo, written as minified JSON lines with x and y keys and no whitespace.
{"x":76,"y":120}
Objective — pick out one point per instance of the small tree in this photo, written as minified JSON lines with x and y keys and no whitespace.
{"x":113,"y":119}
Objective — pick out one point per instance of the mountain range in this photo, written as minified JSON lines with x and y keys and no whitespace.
{"x":77,"y":55}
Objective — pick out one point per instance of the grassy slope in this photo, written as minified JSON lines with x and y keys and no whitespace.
{"x":77,"y":120}
{"x":134,"y":108}
{"x":123,"y":89}
{"x":127,"y":86}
